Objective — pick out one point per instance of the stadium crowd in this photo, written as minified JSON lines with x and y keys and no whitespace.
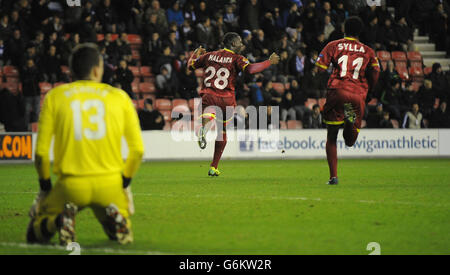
{"x":37,"y":36}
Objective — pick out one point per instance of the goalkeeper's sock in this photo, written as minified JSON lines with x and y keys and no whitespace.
{"x":350,"y":134}
{"x":218,"y":150}
{"x":332,"y":157}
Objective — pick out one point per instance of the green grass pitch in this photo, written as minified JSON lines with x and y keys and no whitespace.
{"x":260,"y":207}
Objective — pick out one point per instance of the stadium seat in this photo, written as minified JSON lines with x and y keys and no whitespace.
{"x":10,"y":71}
{"x":146,"y":71}
{"x":114,"y":36}
{"x":279,"y":87}
{"x":416,"y":64}
{"x":12,"y":79}
{"x":414,"y":56}
{"x":45,"y":87}
{"x":310,"y":102}
{"x":135,"y":55}
{"x":65,"y":70}
{"x":179,"y":101}
{"x":398,"y":56}
{"x":283,"y":125}
{"x":134,"y":39}
{"x":135,"y":70}
{"x":191,"y":103}
{"x":163,"y":104}
{"x":167,"y":114}
{"x":416,"y":73}
{"x":100,"y":37}
{"x":135,"y":87}
{"x":147,"y":88}
{"x":384,"y":55}
{"x":403,"y":72}
{"x":395,"y":123}
{"x":427,"y":70}
{"x":294,"y":124}
{"x":13,"y":87}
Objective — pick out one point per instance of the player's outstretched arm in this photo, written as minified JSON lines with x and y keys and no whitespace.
{"x":197,"y":53}
{"x":259,"y":67}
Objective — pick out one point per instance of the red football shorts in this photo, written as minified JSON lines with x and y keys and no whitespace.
{"x":333,"y":111}
{"x":210,"y":101}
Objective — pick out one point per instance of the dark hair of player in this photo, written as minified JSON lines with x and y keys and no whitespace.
{"x":229,"y":38}
{"x":353,"y":26}
{"x":83,"y":59}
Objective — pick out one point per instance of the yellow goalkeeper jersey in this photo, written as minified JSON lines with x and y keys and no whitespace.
{"x":87,"y":121}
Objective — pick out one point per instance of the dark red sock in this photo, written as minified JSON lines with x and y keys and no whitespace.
{"x":350,"y":134}
{"x":332,"y":157}
{"x":218,"y":150}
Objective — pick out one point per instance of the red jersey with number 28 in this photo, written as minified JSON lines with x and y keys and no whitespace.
{"x":350,"y":59}
{"x":221,"y":69}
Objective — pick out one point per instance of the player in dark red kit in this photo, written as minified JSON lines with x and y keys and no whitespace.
{"x":221,"y":70}
{"x":355,"y":73}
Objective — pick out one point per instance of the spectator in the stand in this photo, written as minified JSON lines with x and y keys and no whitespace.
{"x":202,"y":11}
{"x":260,"y":44}
{"x":298,"y":64}
{"x":281,"y":70}
{"x":165,"y":83}
{"x":338,"y":32}
{"x":269,"y":27}
{"x":439,"y":82}
{"x":440,"y":117}
{"x":52,"y":66}
{"x":409,"y":95}
{"x":287,"y":107}
{"x":271,"y":97}
{"x":125,"y":77}
{"x":174,"y":14}
{"x":374,"y":116}
{"x":314,"y":83}
{"x":231,"y":19}
{"x":12,"y":111}
{"x":175,"y":45}
{"x":371,"y":34}
{"x":15,"y":48}
{"x":31,"y":91}
{"x":5,"y":26}
{"x":219,"y":28}
{"x":391,"y":98}
{"x":108,"y":18}
{"x":413,"y":118}
{"x":314,"y":121}
{"x":151,"y":119}
{"x":293,"y":15}
{"x":153,"y":49}
{"x":167,"y":58}
{"x":328,"y":27}
{"x":188,"y":82}
{"x":247,"y":40}
{"x":111,"y":48}
{"x":300,"y":98}
{"x":427,"y":98}
{"x":2,"y":53}
{"x":389,"y":74}
{"x":386,"y":121}
{"x":404,"y":35}
{"x":155,"y":8}
{"x":439,"y":27}
{"x":205,"y":35}
{"x":339,"y":14}
{"x":388,"y":36}
{"x":318,"y":43}
{"x":189,"y":12}
{"x":17,"y":23}
{"x":123,"y":48}
{"x":251,"y":15}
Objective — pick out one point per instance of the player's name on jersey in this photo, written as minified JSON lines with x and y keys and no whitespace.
{"x":220,"y":59}
{"x":351,"y":47}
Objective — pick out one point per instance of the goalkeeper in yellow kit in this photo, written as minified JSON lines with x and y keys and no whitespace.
{"x":87,"y":120}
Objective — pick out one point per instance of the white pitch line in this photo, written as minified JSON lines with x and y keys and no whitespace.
{"x":270,"y":198}
{"x":95,"y":249}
